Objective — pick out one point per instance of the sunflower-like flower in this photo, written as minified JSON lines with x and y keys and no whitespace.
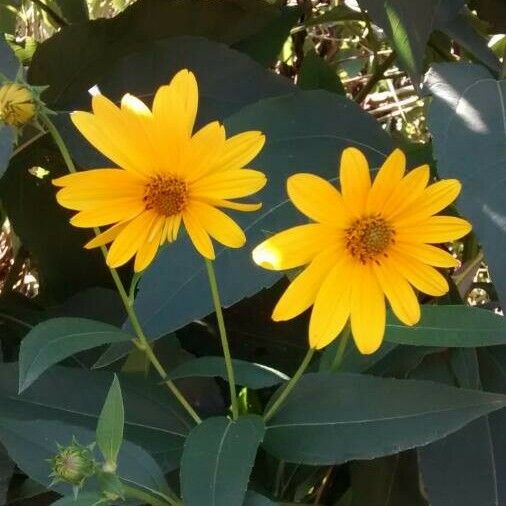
{"x":167,"y":175}
{"x":369,"y":241}
{"x":17,"y":104}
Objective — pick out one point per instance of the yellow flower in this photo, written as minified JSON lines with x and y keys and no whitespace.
{"x":167,"y":175}
{"x":369,"y":242}
{"x":17,"y":106}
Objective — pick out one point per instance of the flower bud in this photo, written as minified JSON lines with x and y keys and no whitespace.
{"x":73,"y":464}
{"x":17,"y":104}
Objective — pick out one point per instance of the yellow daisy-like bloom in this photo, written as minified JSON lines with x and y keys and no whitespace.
{"x":17,"y":106}
{"x":167,"y":175}
{"x":369,"y":241}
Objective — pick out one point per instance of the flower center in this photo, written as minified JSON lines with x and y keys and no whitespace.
{"x":167,"y":195}
{"x":368,"y":237}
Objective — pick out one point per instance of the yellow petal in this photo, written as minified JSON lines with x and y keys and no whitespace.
{"x":368,"y":313}
{"x":175,"y":106}
{"x":407,"y":191}
{"x":317,"y":199}
{"x":427,"y":254}
{"x":198,"y":234}
{"x":237,"y":206}
{"x":98,"y":177}
{"x":147,"y":251}
{"x":386,"y":180}
{"x":355,"y":180}
{"x":218,"y":225}
{"x":434,"y":199}
{"x":107,"y":236}
{"x":124,"y":209}
{"x":423,"y":277}
{"x":295,"y":246}
{"x":302,"y":291}
{"x":240,"y":149}
{"x":229,"y":184}
{"x":204,"y":148}
{"x":436,"y":229}
{"x":130,"y":239}
{"x":332,"y":305}
{"x":398,"y":291}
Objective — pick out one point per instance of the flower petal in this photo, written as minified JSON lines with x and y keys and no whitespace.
{"x":107,"y":236}
{"x":355,"y":180}
{"x":302,"y":291}
{"x":240,"y":149}
{"x":294,"y":246}
{"x":198,"y":234}
{"x":332,"y":305}
{"x":147,"y":251}
{"x":398,"y":291}
{"x":431,"y":255}
{"x":317,"y":199}
{"x":368,"y":313}
{"x":130,"y":239}
{"x":386,"y":180}
{"x":423,"y":277}
{"x":229,"y":184}
{"x":436,"y":229}
{"x":123,"y":209}
{"x":218,"y":225}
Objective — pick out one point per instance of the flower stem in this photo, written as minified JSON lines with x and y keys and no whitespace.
{"x":148,"y":498}
{"x":223,"y":336}
{"x":290,"y":385}
{"x":141,"y":341}
{"x":343,"y":342}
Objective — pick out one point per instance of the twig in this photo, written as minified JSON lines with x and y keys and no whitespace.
{"x":375,"y":78}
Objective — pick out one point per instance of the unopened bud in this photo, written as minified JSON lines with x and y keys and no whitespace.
{"x":17,"y":104}
{"x":73,"y":464}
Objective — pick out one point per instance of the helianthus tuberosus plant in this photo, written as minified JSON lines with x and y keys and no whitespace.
{"x":243,"y":290}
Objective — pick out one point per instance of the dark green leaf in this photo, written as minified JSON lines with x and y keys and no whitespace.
{"x":332,"y":418}
{"x":493,"y":12}
{"x":31,"y":442}
{"x":466,"y":119}
{"x":265,"y":45}
{"x":7,"y":136}
{"x":338,"y":14}
{"x":87,"y":499}
{"x":6,"y":472}
{"x":8,"y":15}
{"x":304,"y":132}
{"x":9,"y":64}
{"x":54,"y":340}
{"x":450,"y":326}
{"x":110,"y":424}
{"x":74,"y":11}
{"x":154,"y":419}
{"x":246,"y":373}
{"x":316,"y":73}
{"x":217,"y":460}
{"x":102,"y":42}
{"x":255,"y":499}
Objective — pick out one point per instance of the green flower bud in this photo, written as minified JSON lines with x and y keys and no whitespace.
{"x":73,"y":464}
{"x":17,"y":104}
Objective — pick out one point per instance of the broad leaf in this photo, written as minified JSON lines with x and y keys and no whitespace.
{"x":305,"y":132}
{"x":332,"y":418}
{"x":246,"y":373}
{"x":316,"y":73}
{"x":450,"y":326}
{"x":100,"y":43}
{"x":54,"y":340}
{"x":154,"y":419}
{"x":467,"y":119}
{"x":86,"y":499}
{"x":31,"y":443}
{"x":217,"y":460}
{"x":9,"y":64}
{"x":7,"y":135}
{"x":255,"y":499}
{"x":110,"y":424}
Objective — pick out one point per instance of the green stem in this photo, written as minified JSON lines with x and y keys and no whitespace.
{"x":375,"y":78}
{"x":343,"y":341}
{"x":290,"y":385}
{"x":141,"y":341}
{"x":223,"y":336}
{"x":147,"y":498}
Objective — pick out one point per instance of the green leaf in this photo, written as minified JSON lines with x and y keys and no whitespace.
{"x":255,"y":499}
{"x":74,"y":11}
{"x":154,"y":419}
{"x":54,"y":340}
{"x":101,"y":43}
{"x":333,"y":418}
{"x":7,"y":136}
{"x":303,"y":130}
{"x":246,"y":373}
{"x":88,"y":499}
{"x":316,"y":73}
{"x":450,"y":326}
{"x":31,"y":443}
{"x":110,"y":424}
{"x":9,"y":64}
{"x":217,"y":460}
{"x":337,"y":14}
{"x":8,"y":16}
{"x":466,"y":119}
